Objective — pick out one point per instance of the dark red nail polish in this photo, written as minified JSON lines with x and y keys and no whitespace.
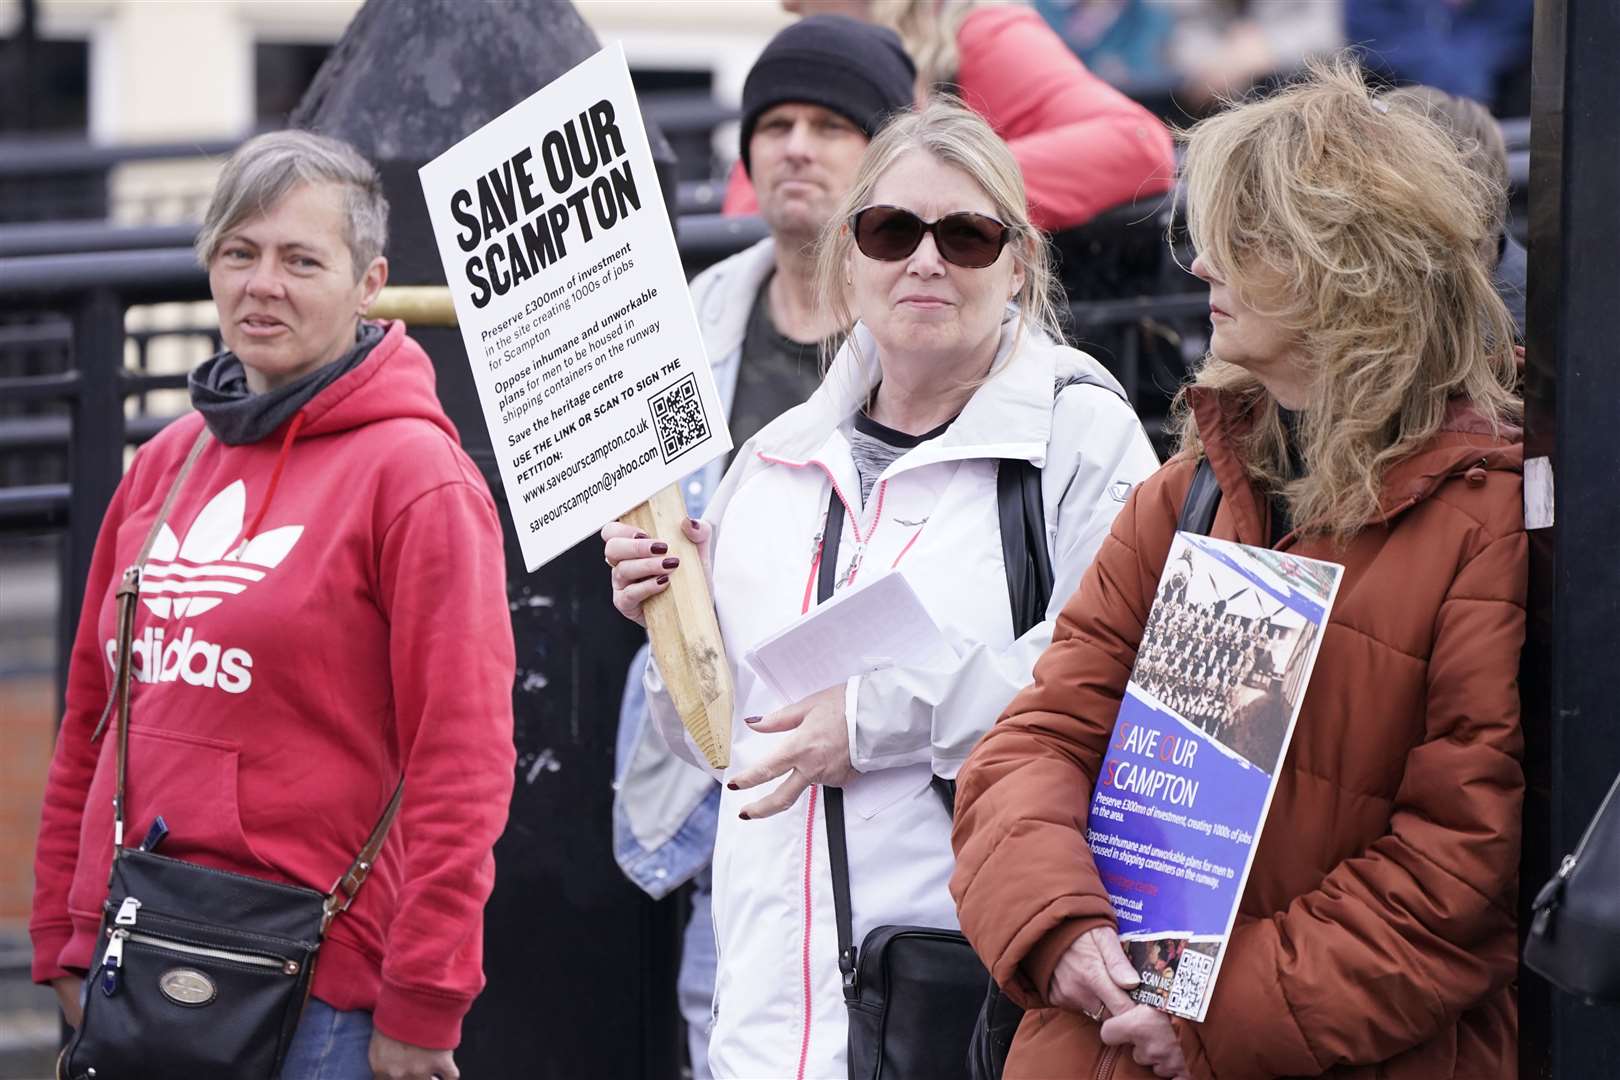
{"x":732,"y":784}
{"x":660,"y":548}
{"x":671,"y":563}
{"x":664,"y":580}
{"x":752,"y":719}
{"x":692,"y":522}
{"x":743,"y":815}
{"x":640,"y":535}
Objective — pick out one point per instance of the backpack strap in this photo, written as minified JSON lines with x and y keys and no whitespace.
{"x":1203,"y":499}
{"x":1022,"y":514}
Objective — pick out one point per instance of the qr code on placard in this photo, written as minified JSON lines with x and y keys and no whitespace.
{"x":679,"y":418}
{"x":1192,"y":976}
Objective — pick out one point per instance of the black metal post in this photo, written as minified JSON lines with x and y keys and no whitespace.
{"x":1572,"y":385}
{"x":96,"y":454}
{"x":27,"y":43}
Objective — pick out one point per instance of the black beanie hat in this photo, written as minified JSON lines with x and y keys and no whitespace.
{"x":856,"y":69}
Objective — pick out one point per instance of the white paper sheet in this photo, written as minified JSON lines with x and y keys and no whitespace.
{"x":882,"y":624}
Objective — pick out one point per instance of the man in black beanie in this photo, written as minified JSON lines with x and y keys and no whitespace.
{"x":811,"y":103}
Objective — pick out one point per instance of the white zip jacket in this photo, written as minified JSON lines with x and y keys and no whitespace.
{"x":779,"y":1008}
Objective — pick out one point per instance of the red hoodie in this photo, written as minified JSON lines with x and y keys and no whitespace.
{"x":1082,"y":145}
{"x":301,"y":638}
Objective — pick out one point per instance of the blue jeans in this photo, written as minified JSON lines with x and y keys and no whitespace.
{"x":694,"y":988}
{"x":329,"y":1045}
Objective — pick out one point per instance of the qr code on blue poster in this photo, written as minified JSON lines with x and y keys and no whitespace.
{"x":1192,"y":979}
{"x":679,"y":418}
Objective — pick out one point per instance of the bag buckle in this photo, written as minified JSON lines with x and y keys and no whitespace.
{"x":846,"y":964}
{"x":343,"y":890}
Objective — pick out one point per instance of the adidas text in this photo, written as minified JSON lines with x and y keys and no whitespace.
{"x":198,"y":662}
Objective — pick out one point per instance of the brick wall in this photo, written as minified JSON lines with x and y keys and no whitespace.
{"x":27,"y":733}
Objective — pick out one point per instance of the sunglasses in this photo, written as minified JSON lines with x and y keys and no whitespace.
{"x":889,"y":234}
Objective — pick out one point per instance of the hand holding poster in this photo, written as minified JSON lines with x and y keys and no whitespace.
{"x":573,"y":307}
{"x":1191,"y":766}
{"x":584,"y":347}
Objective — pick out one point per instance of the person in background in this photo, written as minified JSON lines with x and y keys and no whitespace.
{"x":1479,"y":139}
{"x":1122,"y":41}
{"x":952,"y":368}
{"x":1083,"y":146}
{"x":1472,"y":48}
{"x":1357,"y":406}
{"x":803,"y":135}
{"x":1222,"y":48}
{"x":334,"y":563}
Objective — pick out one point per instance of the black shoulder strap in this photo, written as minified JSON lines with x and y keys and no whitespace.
{"x":1022,"y":513}
{"x":1203,"y":499}
{"x":838,"y":861}
{"x":832,"y":797}
{"x":1021,"y":510}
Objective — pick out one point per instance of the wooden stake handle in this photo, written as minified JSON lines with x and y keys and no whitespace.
{"x":684,"y":632}
{"x":418,"y":305}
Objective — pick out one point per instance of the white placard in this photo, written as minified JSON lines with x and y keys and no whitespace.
{"x":573,"y":306}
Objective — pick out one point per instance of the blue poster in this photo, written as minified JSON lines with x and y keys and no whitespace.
{"x":1221,"y":671}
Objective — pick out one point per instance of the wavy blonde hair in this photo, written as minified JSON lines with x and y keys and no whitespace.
{"x":955,"y":135}
{"x":1359,"y":228}
{"x":928,"y":29}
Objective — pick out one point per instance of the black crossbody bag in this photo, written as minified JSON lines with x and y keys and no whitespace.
{"x":199,"y":972}
{"x":914,"y":993}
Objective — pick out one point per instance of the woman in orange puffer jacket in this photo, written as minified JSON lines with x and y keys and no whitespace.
{"x":1357,"y":406}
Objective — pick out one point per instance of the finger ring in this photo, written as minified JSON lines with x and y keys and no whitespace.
{"x":1094,"y":1016}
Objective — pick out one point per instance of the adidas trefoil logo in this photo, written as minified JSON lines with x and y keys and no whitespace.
{"x":197,"y":575}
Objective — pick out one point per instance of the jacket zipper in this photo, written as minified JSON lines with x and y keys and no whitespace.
{"x":1105,"y":1064}
{"x":810,"y":817}
{"x":809,"y":841}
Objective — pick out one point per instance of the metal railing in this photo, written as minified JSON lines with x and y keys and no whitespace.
{"x":93,"y":289}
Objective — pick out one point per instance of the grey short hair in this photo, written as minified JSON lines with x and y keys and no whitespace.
{"x":266,"y":167}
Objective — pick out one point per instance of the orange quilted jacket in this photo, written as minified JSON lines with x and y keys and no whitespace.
{"x":1376,"y":936}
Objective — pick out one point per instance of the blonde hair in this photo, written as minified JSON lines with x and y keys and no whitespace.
{"x":928,"y":29}
{"x":1358,"y":227}
{"x":1478,"y":137}
{"x":955,"y":135}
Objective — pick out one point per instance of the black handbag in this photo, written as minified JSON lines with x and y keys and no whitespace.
{"x":199,"y":972}
{"x":1574,"y":939}
{"x":915,"y":995}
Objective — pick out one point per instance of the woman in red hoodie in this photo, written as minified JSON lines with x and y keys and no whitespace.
{"x":322,"y":613}
{"x":1082,"y":145}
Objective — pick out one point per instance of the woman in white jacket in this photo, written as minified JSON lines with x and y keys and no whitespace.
{"x":952,"y":367}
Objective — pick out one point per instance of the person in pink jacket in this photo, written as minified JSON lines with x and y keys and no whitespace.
{"x":1082,"y":145}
